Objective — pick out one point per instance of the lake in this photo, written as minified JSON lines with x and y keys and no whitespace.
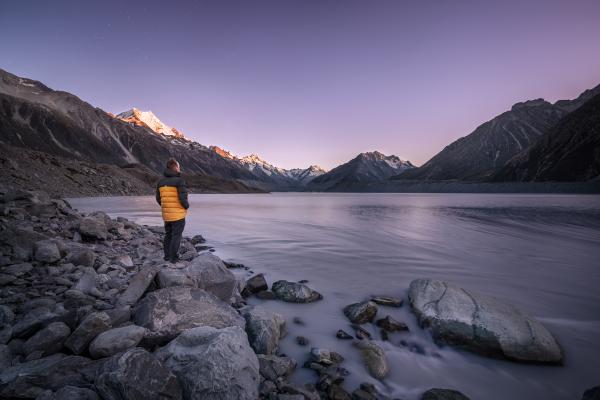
{"x":538,"y":252}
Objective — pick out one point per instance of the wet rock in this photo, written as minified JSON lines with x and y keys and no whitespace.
{"x":374,"y":358}
{"x":264,"y":329}
{"x":213,"y":363}
{"x":48,"y":340}
{"x":31,"y":378}
{"x":255,"y":284}
{"x":302,"y":341}
{"x":93,"y":228}
{"x":208,"y":272}
{"x":341,"y":334}
{"x":388,"y":301}
{"x":325,"y":357}
{"x":136,"y":374}
{"x":167,"y":312}
{"x":443,"y":394}
{"x":361,"y":333}
{"x":266,"y":295}
{"x":197,"y":239}
{"x":481,"y":323}
{"x":294,"y":292}
{"x":91,"y":326}
{"x":306,"y":392}
{"x":115,"y":340}
{"x":137,"y":286}
{"x":46,"y":251}
{"x":360,"y":313}
{"x":391,"y":325}
{"x":336,"y":392}
{"x":273,"y":367}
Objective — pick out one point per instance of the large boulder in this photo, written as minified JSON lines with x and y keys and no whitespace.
{"x":168,"y":312}
{"x":31,"y":378}
{"x":481,"y":323}
{"x":116,"y":340}
{"x":256,"y":284}
{"x":213,"y":364}
{"x":361,"y":313}
{"x":48,"y":340}
{"x":32,"y":321}
{"x":136,"y":374}
{"x":374,"y":359}
{"x":168,"y":277}
{"x":46,"y":251}
{"x":93,"y":228}
{"x":294,"y":292}
{"x":264,"y":329}
{"x":91,"y":326}
{"x":208,"y":272}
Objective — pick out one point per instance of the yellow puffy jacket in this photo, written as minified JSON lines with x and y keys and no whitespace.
{"x":171,"y":194}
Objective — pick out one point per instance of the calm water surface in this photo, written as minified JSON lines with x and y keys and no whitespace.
{"x":539,"y":252}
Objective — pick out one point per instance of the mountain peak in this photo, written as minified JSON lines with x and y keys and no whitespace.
{"x":530,"y":103}
{"x":149,"y":120}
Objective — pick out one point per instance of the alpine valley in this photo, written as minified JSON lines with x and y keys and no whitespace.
{"x":69,"y":148}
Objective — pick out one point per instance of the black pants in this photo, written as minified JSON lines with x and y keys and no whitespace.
{"x":173,"y":232}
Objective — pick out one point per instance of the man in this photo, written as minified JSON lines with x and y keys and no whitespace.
{"x":171,"y":194}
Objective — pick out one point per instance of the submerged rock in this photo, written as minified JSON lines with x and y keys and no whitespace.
{"x":360,"y":313}
{"x":481,"y":323}
{"x":273,"y":367}
{"x":294,"y":292}
{"x":342,"y":334}
{"x":374,"y":359}
{"x":168,"y":312}
{"x":136,"y":374}
{"x":213,"y":364}
{"x":389,"y":324}
{"x":388,"y":301}
{"x":443,"y":394}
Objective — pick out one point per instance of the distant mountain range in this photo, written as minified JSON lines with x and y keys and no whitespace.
{"x":533,"y":141}
{"x":481,"y":154}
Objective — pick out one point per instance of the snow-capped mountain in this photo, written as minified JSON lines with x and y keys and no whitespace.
{"x":148,"y":119}
{"x":265,"y":171}
{"x":365,"y":168}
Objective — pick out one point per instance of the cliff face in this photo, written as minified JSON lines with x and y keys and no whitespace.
{"x":570,"y":151}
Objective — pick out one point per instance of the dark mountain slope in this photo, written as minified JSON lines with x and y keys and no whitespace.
{"x":570,"y":151}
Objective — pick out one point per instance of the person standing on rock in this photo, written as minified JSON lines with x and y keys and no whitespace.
{"x":172,"y":196}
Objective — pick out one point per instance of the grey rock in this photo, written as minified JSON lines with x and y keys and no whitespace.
{"x":294,"y":292}
{"x":136,"y":374}
{"x":481,"y":323}
{"x":213,"y":364}
{"x":116,"y":340}
{"x":91,"y":326}
{"x":83,"y":257}
{"x":119,"y":315}
{"x":87,"y":283}
{"x":388,"y":301}
{"x":6,"y":315}
{"x":93,"y":228}
{"x":137,"y":286}
{"x":324,"y":356}
{"x":273,"y":367}
{"x":71,"y":393}
{"x":208,"y":272}
{"x":389,"y":324}
{"x":46,"y":251}
{"x":124,"y":261}
{"x":264,"y":329}
{"x":168,"y":277}
{"x":5,"y":356}
{"x":374,"y":358}
{"x":33,"y":321}
{"x":255,"y":284}
{"x":360,"y":313}
{"x":168,"y":312}
{"x":48,"y":340}
{"x":17,"y":269}
{"x":31,"y":378}
{"x":443,"y":394}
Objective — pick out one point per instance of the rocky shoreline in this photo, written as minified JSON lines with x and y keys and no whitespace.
{"x":90,"y":310}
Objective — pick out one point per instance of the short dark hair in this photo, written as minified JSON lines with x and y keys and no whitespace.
{"x":171,"y":163}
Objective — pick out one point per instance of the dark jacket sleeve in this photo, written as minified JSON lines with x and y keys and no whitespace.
{"x":157,"y":195}
{"x":183,"y":194}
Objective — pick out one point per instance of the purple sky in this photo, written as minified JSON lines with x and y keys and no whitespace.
{"x":309,"y":82}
